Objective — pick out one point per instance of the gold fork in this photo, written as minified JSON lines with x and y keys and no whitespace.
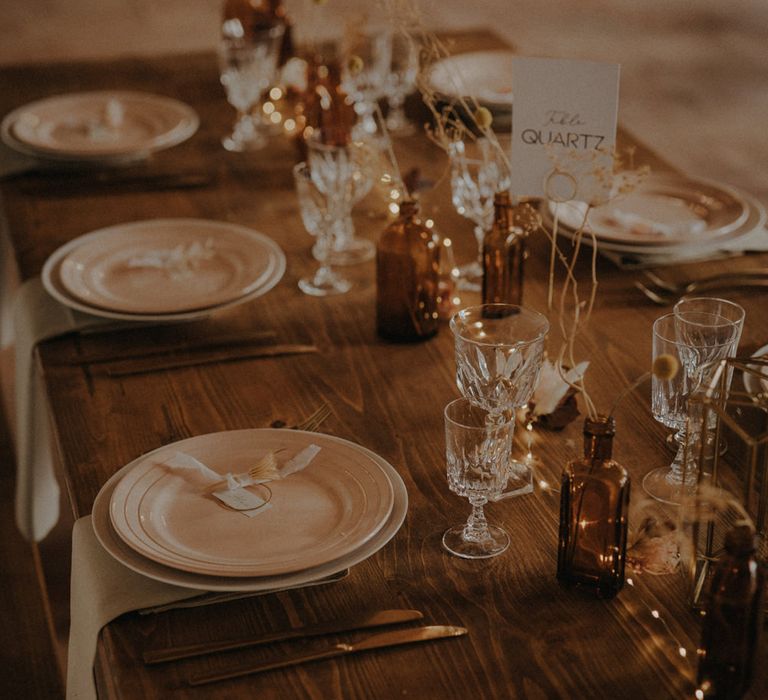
{"x":311,"y":423}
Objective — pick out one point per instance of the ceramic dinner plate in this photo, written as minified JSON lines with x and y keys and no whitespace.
{"x":167,"y":266}
{"x":99,"y":126}
{"x":755,"y":218}
{"x":100,"y":281}
{"x":663,"y":210}
{"x":754,"y":384}
{"x":484,"y":75}
{"x":330,"y":508}
{"x":132,"y":559}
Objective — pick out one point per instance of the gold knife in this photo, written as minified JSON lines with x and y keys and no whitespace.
{"x":377,"y":641}
{"x":378,"y":619}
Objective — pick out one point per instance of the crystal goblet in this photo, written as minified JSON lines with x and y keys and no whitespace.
{"x":697,"y":340}
{"x":318,"y":218}
{"x":248,"y":65}
{"x":345,"y":174}
{"x":499,"y":353}
{"x":478,"y":172}
{"x":476,"y":457}
{"x":403,"y":68}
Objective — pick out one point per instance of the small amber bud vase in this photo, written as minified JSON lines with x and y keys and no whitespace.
{"x":504,"y":251}
{"x":734,"y":618}
{"x":407,"y":276}
{"x":594,"y":502}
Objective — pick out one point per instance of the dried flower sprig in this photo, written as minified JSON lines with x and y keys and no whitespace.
{"x":665,"y":368}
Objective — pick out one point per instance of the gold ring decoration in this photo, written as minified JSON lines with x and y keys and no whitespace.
{"x":267,"y":499}
{"x":558,"y":183}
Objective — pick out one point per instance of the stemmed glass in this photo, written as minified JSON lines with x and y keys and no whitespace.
{"x":401,"y":80}
{"x":475,"y":178}
{"x":247,"y":66}
{"x":697,"y":340}
{"x":475,"y":457}
{"x":366,"y":82}
{"x":319,"y":220}
{"x":499,"y":353}
{"x":345,"y":175}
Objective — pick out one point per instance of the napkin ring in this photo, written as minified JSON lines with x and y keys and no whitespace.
{"x":558,"y":180}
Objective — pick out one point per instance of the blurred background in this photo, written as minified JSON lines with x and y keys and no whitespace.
{"x":694,"y":72}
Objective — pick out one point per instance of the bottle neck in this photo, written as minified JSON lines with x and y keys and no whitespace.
{"x":502,"y":211}
{"x":409,"y":209}
{"x":598,"y":437}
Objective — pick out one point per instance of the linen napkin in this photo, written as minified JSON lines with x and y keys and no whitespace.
{"x":102,"y":589}
{"x":37,"y":316}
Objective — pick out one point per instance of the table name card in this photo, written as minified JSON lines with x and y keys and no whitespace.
{"x":563,"y":128}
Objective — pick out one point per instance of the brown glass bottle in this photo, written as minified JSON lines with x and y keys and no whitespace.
{"x":594,"y":501}
{"x":504,"y":251}
{"x":261,"y":14}
{"x":734,"y":615}
{"x":407,"y":267}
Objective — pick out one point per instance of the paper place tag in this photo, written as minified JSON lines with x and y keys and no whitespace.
{"x":563,"y":128}
{"x":243,"y":501}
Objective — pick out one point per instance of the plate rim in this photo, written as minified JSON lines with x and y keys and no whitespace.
{"x":503,"y":106}
{"x":756,"y":211}
{"x":672,"y":179}
{"x":188,"y":125}
{"x":50,"y":272}
{"x":119,"y":231}
{"x":114,"y":546}
{"x":124,"y":491}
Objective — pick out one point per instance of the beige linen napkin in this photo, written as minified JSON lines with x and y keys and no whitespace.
{"x":37,"y":317}
{"x":101,"y":590}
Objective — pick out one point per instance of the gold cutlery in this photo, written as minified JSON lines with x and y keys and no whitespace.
{"x":258,"y":338}
{"x":382,"y":618}
{"x":664,"y":292}
{"x":314,"y":420}
{"x":150,"y":365}
{"x":376,"y":641}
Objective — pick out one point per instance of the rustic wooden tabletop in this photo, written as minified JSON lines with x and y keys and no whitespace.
{"x":528,"y":636}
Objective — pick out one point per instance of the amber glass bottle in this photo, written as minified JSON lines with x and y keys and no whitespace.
{"x":261,"y":14}
{"x":407,"y":267}
{"x":594,"y":501}
{"x":734,"y":617}
{"x":504,"y":250}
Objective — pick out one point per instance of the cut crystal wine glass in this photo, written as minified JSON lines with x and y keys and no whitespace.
{"x":345,"y":174}
{"x":403,"y":69}
{"x":248,"y":65}
{"x":478,"y":172}
{"x":476,"y":457}
{"x":319,"y":220}
{"x":698,"y":340}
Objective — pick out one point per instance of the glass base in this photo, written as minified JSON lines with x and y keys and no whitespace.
{"x":496,"y":542}
{"x":352,"y":252}
{"x":242,"y":145}
{"x":324,"y":287}
{"x":471,"y":277}
{"x":660,"y":485}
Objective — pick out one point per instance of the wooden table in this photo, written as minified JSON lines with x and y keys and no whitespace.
{"x":528,"y":636}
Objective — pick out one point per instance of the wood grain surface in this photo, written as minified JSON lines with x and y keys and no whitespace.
{"x":528,"y":636}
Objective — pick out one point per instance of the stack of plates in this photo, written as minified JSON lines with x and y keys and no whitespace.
{"x":338,"y":511}
{"x":100,"y":128}
{"x":481,"y":76}
{"x":665,"y":216}
{"x":163,"y":269}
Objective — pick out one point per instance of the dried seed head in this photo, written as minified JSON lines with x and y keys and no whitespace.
{"x":484,"y":118}
{"x":665,"y":367}
{"x":355,"y":65}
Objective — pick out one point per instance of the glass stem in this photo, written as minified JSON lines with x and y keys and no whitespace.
{"x":480,"y":236}
{"x":683,"y":467}
{"x":476,"y":529}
